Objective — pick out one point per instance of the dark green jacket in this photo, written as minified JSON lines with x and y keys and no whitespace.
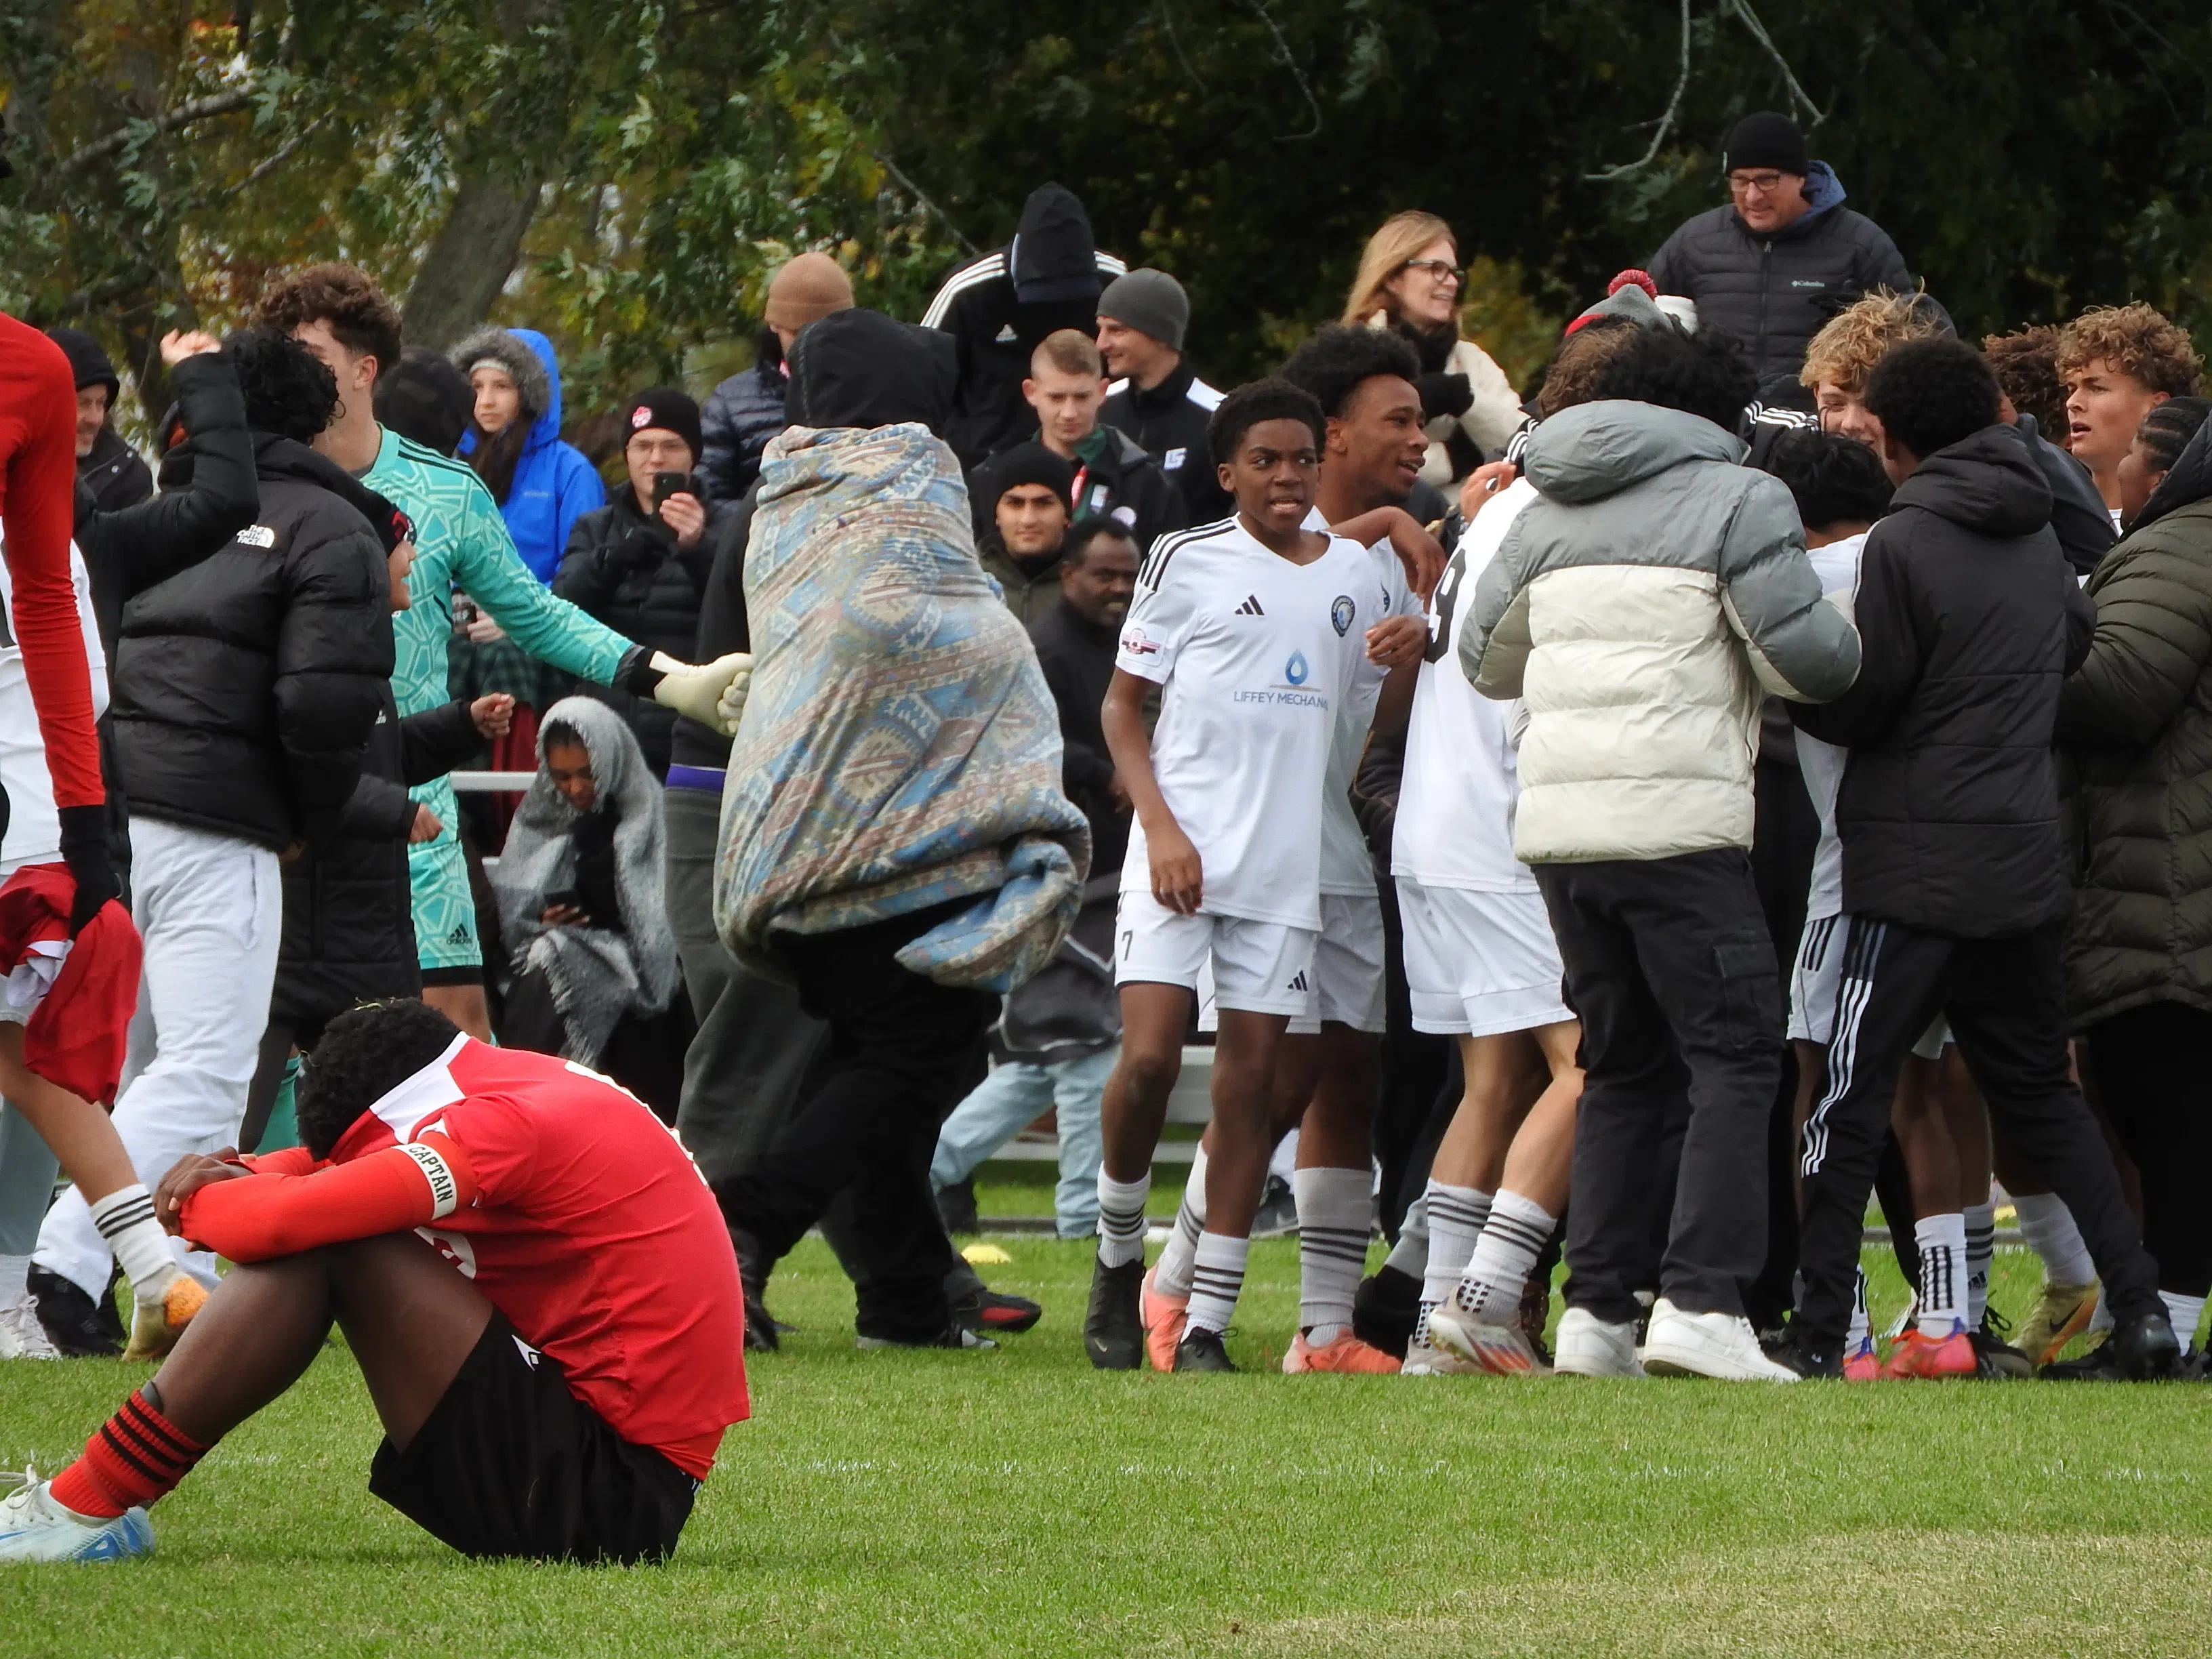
{"x":2135,"y":722}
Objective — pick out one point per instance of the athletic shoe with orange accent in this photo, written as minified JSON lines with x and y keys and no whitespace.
{"x":1500,"y":1350}
{"x":1864,"y":1365}
{"x":1917,"y":1354}
{"x":1347,"y":1355}
{"x":155,"y":1325}
{"x":1163,"y":1317}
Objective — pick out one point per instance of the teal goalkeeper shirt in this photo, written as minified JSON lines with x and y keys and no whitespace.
{"x":461,"y":541}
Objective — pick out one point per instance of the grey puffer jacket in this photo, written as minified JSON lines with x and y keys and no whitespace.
{"x":2135,"y":720}
{"x":1643,"y":606}
{"x":1773,"y":292}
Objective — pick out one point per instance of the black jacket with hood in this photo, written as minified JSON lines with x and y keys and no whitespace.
{"x":1170,"y":421}
{"x":1000,"y":305}
{"x":114,"y":474}
{"x":1969,"y":619}
{"x":854,"y":368}
{"x":625,"y":569}
{"x":1774,"y":291}
{"x":245,"y":686}
{"x":743,"y":413}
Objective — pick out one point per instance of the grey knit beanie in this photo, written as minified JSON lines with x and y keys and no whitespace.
{"x":1152,"y":302}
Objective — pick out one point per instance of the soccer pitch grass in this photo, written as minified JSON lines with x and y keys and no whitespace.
{"x":1020,"y":1503}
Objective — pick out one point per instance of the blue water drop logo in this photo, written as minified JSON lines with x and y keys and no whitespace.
{"x":1295,"y":671}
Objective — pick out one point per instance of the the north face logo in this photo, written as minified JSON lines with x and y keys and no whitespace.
{"x":257,"y":535}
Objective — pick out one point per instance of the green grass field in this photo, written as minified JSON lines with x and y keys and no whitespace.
{"x":1019,"y":1503}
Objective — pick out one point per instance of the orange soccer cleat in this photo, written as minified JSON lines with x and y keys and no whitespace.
{"x":1162,"y":1317}
{"x":1917,"y":1354}
{"x":1347,"y":1355}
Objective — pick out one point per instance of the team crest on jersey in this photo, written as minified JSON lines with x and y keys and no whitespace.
{"x":1138,"y":643}
{"x":1341,"y":611}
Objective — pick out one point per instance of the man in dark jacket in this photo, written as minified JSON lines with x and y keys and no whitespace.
{"x":1157,"y":398}
{"x":1954,"y":879}
{"x":639,"y":564}
{"x":1114,"y":478}
{"x":245,"y":687}
{"x":1785,"y":255}
{"x":999,"y":306}
{"x":107,"y":467}
{"x":746,"y":410}
{"x":1020,"y":501}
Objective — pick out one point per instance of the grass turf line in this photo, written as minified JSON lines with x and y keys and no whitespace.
{"x":1019,"y":1503}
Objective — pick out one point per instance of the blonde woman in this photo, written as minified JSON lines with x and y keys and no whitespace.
{"x":1410,"y":280}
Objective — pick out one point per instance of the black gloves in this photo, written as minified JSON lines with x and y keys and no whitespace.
{"x":636,"y":674}
{"x":1444,"y":394}
{"x":84,"y":849}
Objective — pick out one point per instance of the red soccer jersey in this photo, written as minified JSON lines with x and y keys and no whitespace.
{"x":590,"y":1229}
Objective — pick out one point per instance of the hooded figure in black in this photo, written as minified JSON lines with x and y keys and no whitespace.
{"x":1954,"y":883}
{"x":1000,"y":305}
{"x":112,"y":472}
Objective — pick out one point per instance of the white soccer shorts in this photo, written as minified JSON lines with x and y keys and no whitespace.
{"x":1259,"y":967}
{"x":1817,"y":978}
{"x":1480,"y":964}
{"x":1347,"y":970}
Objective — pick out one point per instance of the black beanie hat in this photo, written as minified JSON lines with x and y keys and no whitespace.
{"x":424,"y":399}
{"x":668,"y":410}
{"x":1765,"y":140}
{"x":1028,"y":463}
{"x":89,"y":362}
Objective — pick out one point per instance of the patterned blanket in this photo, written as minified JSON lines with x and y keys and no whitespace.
{"x":899,"y":749}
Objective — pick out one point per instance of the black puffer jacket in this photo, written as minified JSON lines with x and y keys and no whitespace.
{"x":744,"y":412}
{"x":2137,"y":724}
{"x":2078,"y":515}
{"x":1773,"y":292}
{"x":1170,"y":421}
{"x":1969,"y":618}
{"x":208,"y":496}
{"x":624,"y":569}
{"x":245,"y":686}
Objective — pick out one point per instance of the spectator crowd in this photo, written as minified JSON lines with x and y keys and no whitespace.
{"x":1637,"y":817}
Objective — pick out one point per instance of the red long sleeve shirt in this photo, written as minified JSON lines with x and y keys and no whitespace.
{"x":38,"y":502}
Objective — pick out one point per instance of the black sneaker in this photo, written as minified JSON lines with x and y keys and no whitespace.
{"x":955,"y":1335}
{"x":993,"y":1314}
{"x":79,"y":1327}
{"x":761,"y":1330}
{"x":1385,"y":1309}
{"x":1994,"y":1356}
{"x":2143,"y":1350}
{"x":956,"y":1205}
{"x":1277,"y":1214}
{"x":1806,"y":1358}
{"x":1113,"y":1333}
{"x":1202,"y":1350}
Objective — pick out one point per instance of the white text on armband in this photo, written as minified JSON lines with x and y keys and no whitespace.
{"x":444,"y":1191}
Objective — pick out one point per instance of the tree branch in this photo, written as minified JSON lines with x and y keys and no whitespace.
{"x":1750,"y":21}
{"x":1666,"y":124}
{"x":199,"y":109}
{"x":1283,"y":51}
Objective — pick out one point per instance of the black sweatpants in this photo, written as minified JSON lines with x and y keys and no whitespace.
{"x":902,"y":1052}
{"x":2155,"y":1077}
{"x":2006,"y":1001}
{"x":1669,"y":965}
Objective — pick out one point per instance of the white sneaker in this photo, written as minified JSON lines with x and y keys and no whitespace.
{"x":21,"y":1336}
{"x":35,"y":1527}
{"x":1589,"y":1346}
{"x":1499,"y":1350}
{"x":1716,"y":1345}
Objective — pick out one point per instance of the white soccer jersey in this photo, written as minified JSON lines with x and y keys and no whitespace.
{"x":1822,"y":763}
{"x":1347,"y":866}
{"x":35,"y":830}
{"x":1256,"y":655}
{"x":1461,"y":780}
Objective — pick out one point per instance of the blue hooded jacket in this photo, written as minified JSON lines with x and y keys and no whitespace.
{"x":553,"y":485}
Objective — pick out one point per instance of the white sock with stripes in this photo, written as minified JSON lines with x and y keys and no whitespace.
{"x":1981,"y":1248}
{"x":125,"y":1221}
{"x":1217,"y":1278}
{"x":1121,"y":1218}
{"x":1512,"y":1239}
{"x":1942,"y":1243}
{"x":2046,"y":1226}
{"x":1456,"y":1215}
{"x":1335,"y":1207}
{"x":1861,"y":1329}
{"x":1410,"y":1255}
{"x":1171,"y":1273}
{"x":2187,"y":1313}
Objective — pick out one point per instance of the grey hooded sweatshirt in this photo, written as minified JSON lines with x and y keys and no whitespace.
{"x":1641,"y":606}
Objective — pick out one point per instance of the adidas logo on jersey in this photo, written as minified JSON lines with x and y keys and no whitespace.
{"x":1298,"y":982}
{"x":460,"y":934}
{"x":1006,"y":335}
{"x":1250,"y":607}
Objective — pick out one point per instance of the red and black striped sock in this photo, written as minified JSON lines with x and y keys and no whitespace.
{"x":137,"y":1455}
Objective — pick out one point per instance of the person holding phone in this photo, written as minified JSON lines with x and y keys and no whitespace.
{"x":639,"y":564}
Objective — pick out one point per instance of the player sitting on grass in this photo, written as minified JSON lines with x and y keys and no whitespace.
{"x":535,"y":1281}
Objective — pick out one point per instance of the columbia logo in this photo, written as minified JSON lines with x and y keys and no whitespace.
{"x":1250,"y":607}
{"x":1298,"y":982}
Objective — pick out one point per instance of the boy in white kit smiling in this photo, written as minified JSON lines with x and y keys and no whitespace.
{"x":1254,"y":628}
